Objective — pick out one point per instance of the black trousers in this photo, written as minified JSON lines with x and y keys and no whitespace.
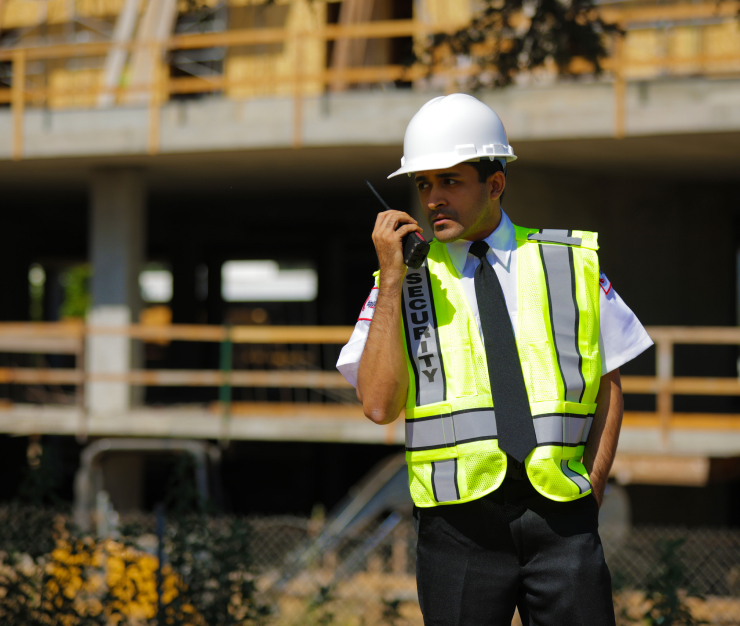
{"x":479,"y":560}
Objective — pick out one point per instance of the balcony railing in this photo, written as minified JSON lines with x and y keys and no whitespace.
{"x":622,"y":65}
{"x":70,"y":339}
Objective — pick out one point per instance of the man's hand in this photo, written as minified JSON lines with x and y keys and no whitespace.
{"x":383,"y":380}
{"x":390,"y":228}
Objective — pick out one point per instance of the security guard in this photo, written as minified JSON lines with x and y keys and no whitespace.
{"x":504,"y":350}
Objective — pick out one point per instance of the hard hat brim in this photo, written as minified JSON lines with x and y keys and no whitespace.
{"x":438,"y":162}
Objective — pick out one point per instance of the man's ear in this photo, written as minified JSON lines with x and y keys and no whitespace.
{"x":496,"y":184}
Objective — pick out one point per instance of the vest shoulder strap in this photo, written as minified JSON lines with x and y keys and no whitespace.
{"x":578,"y":238}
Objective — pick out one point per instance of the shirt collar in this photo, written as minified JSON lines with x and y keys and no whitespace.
{"x":501,"y":241}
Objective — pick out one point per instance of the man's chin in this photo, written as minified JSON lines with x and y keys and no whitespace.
{"x":447,"y":233}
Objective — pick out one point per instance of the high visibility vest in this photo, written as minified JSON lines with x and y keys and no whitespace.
{"x":451,"y":445}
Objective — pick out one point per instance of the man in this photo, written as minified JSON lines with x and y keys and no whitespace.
{"x":504,"y":351}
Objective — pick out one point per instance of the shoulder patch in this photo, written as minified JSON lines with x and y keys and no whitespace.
{"x":604,"y":282}
{"x":552,"y":235}
{"x":368,"y":309}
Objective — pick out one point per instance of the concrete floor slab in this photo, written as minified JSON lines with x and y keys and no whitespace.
{"x":565,"y":110}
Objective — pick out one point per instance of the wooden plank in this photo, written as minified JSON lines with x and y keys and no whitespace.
{"x":41,"y":329}
{"x":372,"y":74}
{"x":705,"y":421}
{"x":20,"y":333}
{"x":706,"y":386}
{"x":719,"y":335}
{"x":39,"y":345}
{"x":291,"y":409}
{"x":620,"y":89}
{"x":173,"y":332}
{"x":40,"y":376}
{"x":640,"y":419}
{"x":216,"y":378}
{"x":379,"y":29}
{"x":18,"y":103}
{"x":687,"y":421}
{"x":668,"y":12}
{"x":683,"y":385}
{"x":40,"y":338}
{"x":658,"y":469}
{"x":60,"y":51}
{"x":292,"y":334}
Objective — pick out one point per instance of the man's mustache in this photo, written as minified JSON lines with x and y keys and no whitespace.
{"x":448,"y":213}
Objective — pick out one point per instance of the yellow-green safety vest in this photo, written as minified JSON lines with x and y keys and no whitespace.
{"x":451,"y":444}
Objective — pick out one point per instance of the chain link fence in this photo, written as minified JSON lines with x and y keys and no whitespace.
{"x":280,"y":571}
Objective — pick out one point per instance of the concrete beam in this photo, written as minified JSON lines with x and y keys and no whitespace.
{"x":371,"y":118}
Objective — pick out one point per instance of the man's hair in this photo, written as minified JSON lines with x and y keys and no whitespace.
{"x":486,"y":168}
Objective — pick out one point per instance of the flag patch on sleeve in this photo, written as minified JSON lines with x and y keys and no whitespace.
{"x":604,"y":282}
{"x":368,"y":309}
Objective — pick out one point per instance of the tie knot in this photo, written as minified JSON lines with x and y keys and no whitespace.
{"x":479,"y":249}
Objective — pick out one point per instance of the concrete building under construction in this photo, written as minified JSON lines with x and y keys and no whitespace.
{"x":187,"y":239}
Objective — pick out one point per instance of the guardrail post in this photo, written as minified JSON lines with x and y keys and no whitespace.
{"x":620,"y":87}
{"x":224,"y":392}
{"x":156,"y":98}
{"x":664,"y":398}
{"x":298,"y":97}
{"x":80,"y":397}
{"x":18,"y":102}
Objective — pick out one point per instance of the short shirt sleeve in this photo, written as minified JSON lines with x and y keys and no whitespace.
{"x":349,"y":358}
{"x":622,"y":337}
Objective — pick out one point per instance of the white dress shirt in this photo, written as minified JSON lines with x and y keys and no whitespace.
{"x":621,"y":335}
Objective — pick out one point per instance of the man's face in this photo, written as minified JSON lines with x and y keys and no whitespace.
{"x":457,"y":204}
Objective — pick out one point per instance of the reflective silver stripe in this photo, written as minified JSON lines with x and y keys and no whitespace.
{"x":560,"y":429}
{"x":587,"y":429}
{"x":427,"y":434}
{"x":580,"y":481}
{"x":474,"y":425}
{"x":444,"y":431}
{"x":444,"y":480}
{"x":422,"y":341}
{"x":551,"y":235}
{"x":557,"y":262}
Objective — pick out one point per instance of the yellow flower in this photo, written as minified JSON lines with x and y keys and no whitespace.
{"x":60,"y":554}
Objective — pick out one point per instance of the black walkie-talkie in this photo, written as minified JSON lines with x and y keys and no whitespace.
{"x":415,"y":247}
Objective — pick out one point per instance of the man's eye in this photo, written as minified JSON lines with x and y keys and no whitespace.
{"x":423,"y":186}
{"x":450,"y":181}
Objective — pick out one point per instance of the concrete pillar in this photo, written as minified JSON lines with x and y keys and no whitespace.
{"x":117,"y":243}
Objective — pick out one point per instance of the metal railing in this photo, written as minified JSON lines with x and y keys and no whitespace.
{"x":163,"y":86}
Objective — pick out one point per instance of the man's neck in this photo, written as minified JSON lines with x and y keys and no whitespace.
{"x":487,"y":229}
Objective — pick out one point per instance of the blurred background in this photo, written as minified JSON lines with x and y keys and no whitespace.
{"x":186,"y":247}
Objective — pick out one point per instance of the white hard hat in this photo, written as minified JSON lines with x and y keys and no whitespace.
{"x":452,"y":129}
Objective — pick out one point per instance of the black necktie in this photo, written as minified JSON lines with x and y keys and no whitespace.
{"x":514,"y":424}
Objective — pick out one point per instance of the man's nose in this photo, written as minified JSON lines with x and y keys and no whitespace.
{"x":436,"y":199}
